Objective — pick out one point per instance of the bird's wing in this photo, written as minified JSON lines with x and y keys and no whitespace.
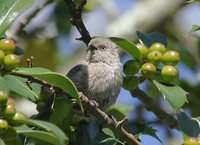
{"x":79,"y":76}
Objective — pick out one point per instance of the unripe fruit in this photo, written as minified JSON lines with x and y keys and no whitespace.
{"x":3,"y":98}
{"x":11,"y":102}
{"x":191,"y":141}
{"x":2,"y":55}
{"x":3,"y":125}
{"x":148,"y":69}
{"x":130,"y":82}
{"x":143,"y":50}
{"x":7,"y":45}
{"x":9,"y":112}
{"x":169,"y":73}
{"x":157,"y":47}
{"x":131,"y":67}
{"x":18,"y":119}
{"x":11,"y":61}
{"x":171,"y":57}
{"x":155,"y":57}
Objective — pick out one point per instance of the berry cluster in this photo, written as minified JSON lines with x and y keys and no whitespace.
{"x":156,"y":62}
{"x":8,"y":60}
{"x":8,"y":115}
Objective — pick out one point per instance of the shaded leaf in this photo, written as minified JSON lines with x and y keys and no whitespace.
{"x":195,"y":28}
{"x":86,"y":132}
{"x":18,"y":50}
{"x":175,"y":95}
{"x":10,"y":137}
{"x":52,"y":78}
{"x":10,"y":10}
{"x":135,"y":127}
{"x":64,"y":107}
{"x":152,"y":132}
{"x":189,"y":126}
{"x":17,"y":85}
{"x":57,"y":132}
{"x":128,"y":47}
{"x":149,"y":39}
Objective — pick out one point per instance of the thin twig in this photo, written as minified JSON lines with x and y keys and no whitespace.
{"x":93,"y":110}
{"x":76,"y":19}
{"x":153,"y":106}
{"x":19,"y":26}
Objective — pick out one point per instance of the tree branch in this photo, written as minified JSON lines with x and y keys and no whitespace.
{"x":76,"y":19}
{"x":19,"y":26}
{"x":93,"y":110}
{"x":155,"y":108}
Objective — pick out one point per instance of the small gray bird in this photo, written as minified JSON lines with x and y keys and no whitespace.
{"x":99,"y":76}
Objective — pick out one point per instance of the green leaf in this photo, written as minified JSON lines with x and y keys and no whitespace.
{"x":108,"y":132}
{"x":2,"y":142}
{"x":104,"y":141}
{"x":64,"y":107}
{"x":189,"y":126}
{"x":42,"y":135}
{"x":149,"y":39}
{"x":17,"y":85}
{"x":195,"y":28}
{"x":128,"y":47}
{"x":57,"y":132}
{"x":175,"y":95}
{"x":11,"y":137}
{"x":52,"y":78}
{"x":120,"y":112}
{"x":10,"y":10}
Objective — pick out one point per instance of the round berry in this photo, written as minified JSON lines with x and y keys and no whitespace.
{"x":3,"y":98}
{"x":130,"y":82}
{"x":143,"y":50}
{"x":9,"y":112}
{"x":3,"y":125}
{"x":148,"y":69}
{"x":155,"y":57}
{"x":169,"y":73}
{"x":2,"y":55}
{"x":131,"y":67}
{"x":11,"y":102}
{"x":171,"y":57}
{"x":157,"y":47}
{"x":11,"y":61}
{"x":7,"y":45}
{"x":18,"y":119}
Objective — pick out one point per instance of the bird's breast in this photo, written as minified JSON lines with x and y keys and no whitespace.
{"x":104,"y":83}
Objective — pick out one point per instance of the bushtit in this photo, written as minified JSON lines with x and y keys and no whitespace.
{"x":99,"y":76}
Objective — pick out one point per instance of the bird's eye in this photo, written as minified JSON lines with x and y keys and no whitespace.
{"x":102,"y":46}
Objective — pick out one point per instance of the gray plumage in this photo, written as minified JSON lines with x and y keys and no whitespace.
{"x":99,"y":76}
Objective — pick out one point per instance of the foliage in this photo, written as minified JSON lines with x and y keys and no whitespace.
{"x":60,"y":119}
